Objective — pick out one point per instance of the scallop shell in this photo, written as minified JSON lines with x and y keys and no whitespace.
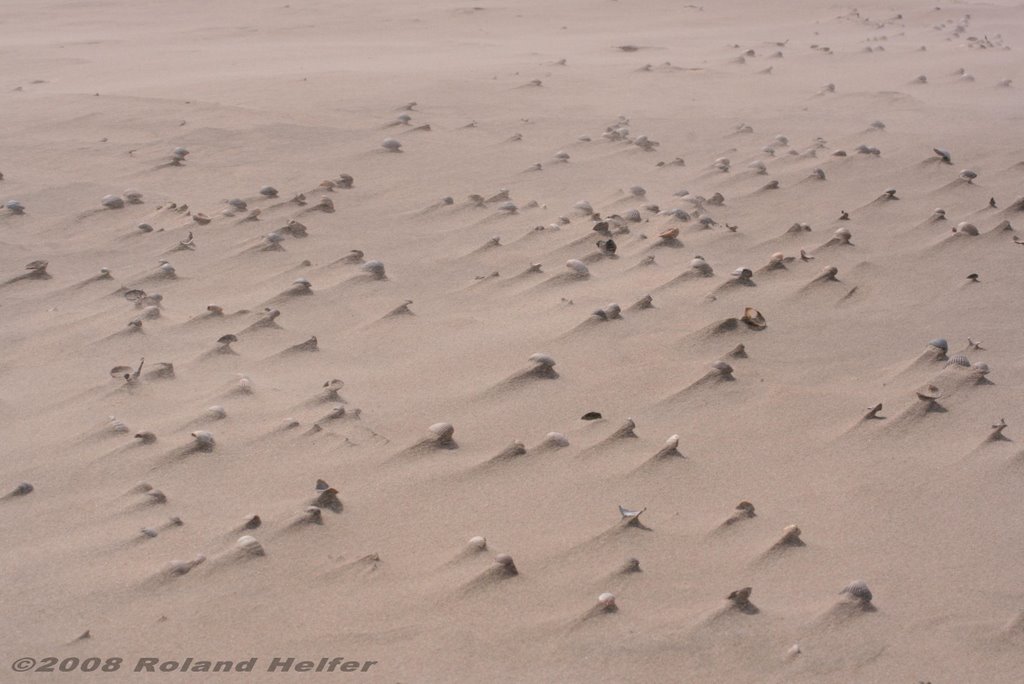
{"x":858,"y":590}
{"x":959,"y":360}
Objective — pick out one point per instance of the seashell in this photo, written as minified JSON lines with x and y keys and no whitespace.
{"x":145,"y":437}
{"x":345,"y":181}
{"x":179,"y":153}
{"x":818,"y":173}
{"x":630,"y":516}
{"x":578,"y":267}
{"x":14,"y":206}
{"x":591,"y":415}
{"x":583,"y":206}
{"x":374,"y":268}
{"x":215,"y":310}
{"x":250,"y":546}
{"x":508,"y":207}
{"x":981,"y":368}
{"x":758,"y":166}
{"x":929,"y":393}
{"x":968,"y":175}
{"x":201,"y":218}
{"x":562,"y":156}
{"x":203,"y":440}
{"x":216,"y":412}
{"x":878,"y":125}
{"x":23,"y":489}
{"x":328,"y":498}
{"x":391,"y":145}
{"x":742,"y":273}
{"x":177,"y":568}
{"x":312,"y":515}
{"x":753,"y":318}
{"x":741,"y":597}
{"x":145,"y":227}
{"x":268,"y":191}
{"x":704,"y":268}
{"x":252,"y":522}
{"x":542,"y":360}
{"x":943,"y":154}
{"x":637,"y":191}
{"x":556,"y":439}
{"x":966,"y":228}
{"x":132,"y":196}
{"x":939,"y":343}
{"x":607,"y":246}
{"x":959,"y":360}
{"x":632,"y":215}
{"x":506,"y":565}
{"x":771,"y":185}
{"x":443,"y":431}
{"x":722,"y":367}
{"x":112,"y":202}
{"x":670,"y":234}
{"x":477,"y":543}
{"x":858,"y":591}
{"x":606,"y":602}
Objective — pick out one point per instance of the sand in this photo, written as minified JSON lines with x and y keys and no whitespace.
{"x":533,"y":108}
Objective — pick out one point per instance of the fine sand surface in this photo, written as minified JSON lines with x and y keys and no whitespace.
{"x":630,"y":109}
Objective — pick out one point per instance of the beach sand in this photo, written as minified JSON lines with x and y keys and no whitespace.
{"x":523,"y":112}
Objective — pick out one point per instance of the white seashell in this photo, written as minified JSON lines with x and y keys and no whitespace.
{"x":968,"y":175}
{"x":250,"y":546}
{"x":606,"y":601}
{"x":743,"y":273}
{"x":542,"y":360}
{"x":179,"y":153}
{"x":444,"y":431}
{"x":556,"y":439}
{"x":478,"y":543}
{"x":584,"y":206}
{"x":391,"y":145}
{"x":698,"y":264}
{"x":577,"y":266}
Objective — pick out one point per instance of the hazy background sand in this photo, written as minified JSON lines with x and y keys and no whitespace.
{"x":95,"y":97}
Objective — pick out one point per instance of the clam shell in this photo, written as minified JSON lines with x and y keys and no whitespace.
{"x":249,"y":545}
{"x":444,"y":431}
{"x":391,"y":145}
{"x":939,"y":343}
{"x":112,"y":202}
{"x":959,"y":360}
{"x":859,"y":590}
{"x":577,"y":266}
